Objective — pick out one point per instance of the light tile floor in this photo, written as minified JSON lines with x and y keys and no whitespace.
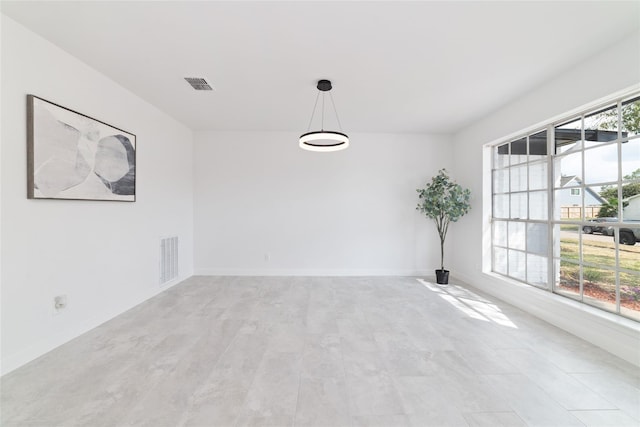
{"x":293,"y":351}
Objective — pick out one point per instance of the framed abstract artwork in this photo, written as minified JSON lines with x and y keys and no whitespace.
{"x":73,"y":156}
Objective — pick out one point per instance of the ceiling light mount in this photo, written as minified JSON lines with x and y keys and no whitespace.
{"x":324,"y":85}
{"x":324,"y":140}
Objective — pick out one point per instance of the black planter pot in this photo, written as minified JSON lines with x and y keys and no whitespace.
{"x":442,"y":277}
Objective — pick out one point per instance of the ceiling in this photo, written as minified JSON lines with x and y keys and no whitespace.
{"x":418,"y":67}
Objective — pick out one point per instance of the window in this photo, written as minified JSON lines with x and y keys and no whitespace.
{"x":520,"y":229}
{"x":548,"y":186}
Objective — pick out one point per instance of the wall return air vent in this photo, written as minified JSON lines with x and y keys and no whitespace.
{"x":168,"y":259}
{"x":198,"y":83}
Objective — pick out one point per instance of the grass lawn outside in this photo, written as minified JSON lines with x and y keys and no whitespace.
{"x":599,"y":282}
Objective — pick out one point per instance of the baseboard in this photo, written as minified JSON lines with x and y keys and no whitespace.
{"x":310,"y":272}
{"x":615,"y":334}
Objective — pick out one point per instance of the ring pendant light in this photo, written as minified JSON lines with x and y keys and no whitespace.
{"x":324,"y":140}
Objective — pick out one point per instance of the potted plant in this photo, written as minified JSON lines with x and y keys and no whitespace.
{"x":445,"y":202}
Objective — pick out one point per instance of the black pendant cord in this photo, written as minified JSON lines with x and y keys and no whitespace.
{"x":335,"y":111}
{"x":315,"y":107}
{"x":322,"y":122}
{"x":313,"y":112}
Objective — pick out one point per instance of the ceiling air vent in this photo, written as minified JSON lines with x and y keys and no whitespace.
{"x":198,"y":83}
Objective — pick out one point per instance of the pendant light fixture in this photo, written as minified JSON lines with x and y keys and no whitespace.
{"x":324,"y":140}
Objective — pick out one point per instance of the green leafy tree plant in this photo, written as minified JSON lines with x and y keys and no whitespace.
{"x":610,"y":209}
{"x":610,"y":193}
{"x":443,"y":201}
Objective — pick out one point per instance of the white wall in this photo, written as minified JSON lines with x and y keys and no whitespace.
{"x":606,"y":73}
{"x":344,"y":213}
{"x":102,"y":255}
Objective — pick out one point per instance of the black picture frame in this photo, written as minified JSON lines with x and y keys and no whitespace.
{"x":72,"y":156}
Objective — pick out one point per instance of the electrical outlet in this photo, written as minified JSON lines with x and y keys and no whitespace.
{"x":59,"y":303}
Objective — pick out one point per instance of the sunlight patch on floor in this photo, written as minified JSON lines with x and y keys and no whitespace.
{"x":469,"y":303}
